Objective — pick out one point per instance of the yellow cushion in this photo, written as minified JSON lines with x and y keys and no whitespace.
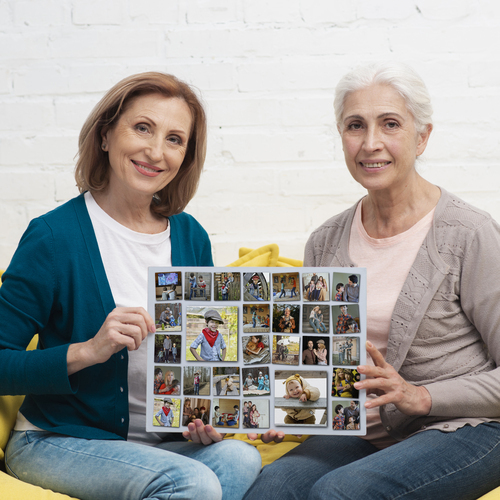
{"x":13,"y":489}
{"x":492,"y":495}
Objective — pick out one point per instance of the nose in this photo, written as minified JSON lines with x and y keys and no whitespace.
{"x":154,"y":149}
{"x":373,"y":140}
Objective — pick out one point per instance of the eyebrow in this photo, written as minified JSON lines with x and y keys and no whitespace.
{"x":148,"y":118}
{"x":383,"y":115}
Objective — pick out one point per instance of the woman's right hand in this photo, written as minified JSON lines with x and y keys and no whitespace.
{"x":125,"y":327}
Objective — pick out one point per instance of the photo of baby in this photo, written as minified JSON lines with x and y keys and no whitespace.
{"x":285,"y":287}
{"x":226,"y":413}
{"x":218,"y":340}
{"x":304,"y":400}
{"x":195,"y":408}
{"x":345,"y":415}
{"x":226,"y":380}
{"x":227,"y":286}
{"x":255,"y":414}
{"x":197,"y":286}
{"x":167,"y":381}
{"x":286,"y":349}
{"x":196,"y":380}
{"x":346,"y":287}
{"x":256,"y":349}
{"x":315,"y":287}
{"x":256,"y":318}
{"x":343,"y":383}
{"x":256,"y":381}
{"x":166,"y":412}
{"x":256,"y":287}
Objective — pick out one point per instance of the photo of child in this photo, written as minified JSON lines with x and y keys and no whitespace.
{"x":256,"y":349}
{"x":167,"y":381}
{"x":256,"y":381}
{"x":343,"y":383}
{"x":226,"y":413}
{"x":197,"y":286}
{"x":285,"y":287}
{"x":167,"y":348}
{"x":286,"y":349}
{"x":255,"y":414}
{"x":256,"y":318}
{"x":166,"y":412}
{"x":304,"y":398}
{"x":345,"y":415}
{"x":345,"y":319}
{"x":227,"y":286}
{"x":315,"y":318}
{"x":214,"y":332}
{"x":168,"y":286}
{"x":226,"y":381}
{"x":168,"y":317}
{"x":195,"y":408}
{"x":345,"y":351}
{"x":256,"y":287}
{"x":348,"y":291}
{"x":315,"y":287}
{"x":197,"y":380}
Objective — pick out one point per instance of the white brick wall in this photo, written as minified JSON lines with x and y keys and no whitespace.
{"x":267,"y":70}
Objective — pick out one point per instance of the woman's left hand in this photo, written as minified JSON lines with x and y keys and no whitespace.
{"x":268,"y":437}
{"x":384,"y":381}
{"x":200,"y":433}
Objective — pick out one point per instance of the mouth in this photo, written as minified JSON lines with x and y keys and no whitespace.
{"x":146,"y":168}
{"x":379,"y":164}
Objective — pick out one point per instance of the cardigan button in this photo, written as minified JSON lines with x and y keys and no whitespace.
{"x":423,"y":427}
{"x":123,"y":420}
{"x":121,"y":389}
{"x":446,"y":426}
{"x":122,"y":357}
{"x":388,"y":428}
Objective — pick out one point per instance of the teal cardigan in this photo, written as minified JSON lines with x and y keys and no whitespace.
{"x":56,"y":286}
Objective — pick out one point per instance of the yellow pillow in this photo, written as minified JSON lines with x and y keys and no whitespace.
{"x":13,"y":489}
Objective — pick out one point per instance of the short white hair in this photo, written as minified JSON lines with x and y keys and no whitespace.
{"x":400,"y":77}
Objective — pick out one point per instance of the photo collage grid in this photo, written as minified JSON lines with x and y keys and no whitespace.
{"x":249,"y":349}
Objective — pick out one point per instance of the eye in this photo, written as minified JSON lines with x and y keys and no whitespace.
{"x":354,"y":126}
{"x":392,"y":124}
{"x":142,"y":127}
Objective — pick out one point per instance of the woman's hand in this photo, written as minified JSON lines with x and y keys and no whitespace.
{"x":383,"y":380}
{"x":200,"y":433}
{"x":124,"y":327}
{"x":268,"y":437}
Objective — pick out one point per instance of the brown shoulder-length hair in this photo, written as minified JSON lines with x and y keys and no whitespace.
{"x":92,"y":166}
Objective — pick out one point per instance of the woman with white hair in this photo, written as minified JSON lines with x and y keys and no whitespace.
{"x":433,"y":406}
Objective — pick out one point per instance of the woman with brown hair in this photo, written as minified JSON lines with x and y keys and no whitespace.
{"x":79,"y":280}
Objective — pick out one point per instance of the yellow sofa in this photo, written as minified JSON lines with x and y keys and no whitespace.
{"x":13,"y":489}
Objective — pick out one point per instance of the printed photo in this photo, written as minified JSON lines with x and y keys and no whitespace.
{"x":343,"y":383}
{"x":286,"y":287}
{"x":226,"y":413}
{"x":315,"y":318}
{"x":345,"y":319}
{"x":167,"y":380}
{"x":286,"y":318}
{"x":212,"y":333}
{"x":345,"y":351}
{"x":346,"y":287}
{"x":195,"y":408}
{"x":256,"y":381}
{"x":168,"y":317}
{"x":315,"y":287}
{"x":315,"y":350}
{"x":227,"y":286}
{"x":168,"y":286}
{"x":256,"y":349}
{"x":256,"y":287}
{"x":255,"y":414}
{"x":167,"y":348}
{"x":256,"y":318}
{"x":197,"y":285}
{"x":166,"y":412}
{"x":300,"y":397}
{"x":345,"y":415}
{"x":226,"y":380}
{"x":197,"y":380}
{"x":286,"y":349}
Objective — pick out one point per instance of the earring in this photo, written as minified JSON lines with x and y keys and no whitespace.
{"x":104,"y":146}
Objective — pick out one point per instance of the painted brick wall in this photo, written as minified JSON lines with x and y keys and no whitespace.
{"x":266,"y":70}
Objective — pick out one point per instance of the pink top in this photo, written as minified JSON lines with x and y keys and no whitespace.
{"x":388,"y":262}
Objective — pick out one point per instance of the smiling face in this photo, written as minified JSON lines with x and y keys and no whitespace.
{"x":169,"y":376}
{"x":212,"y":325}
{"x":379,"y":138}
{"x":294,"y":389}
{"x":147,"y":145}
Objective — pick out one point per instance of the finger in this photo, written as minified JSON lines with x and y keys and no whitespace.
{"x":136,"y":316}
{"x":192,"y":433}
{"x":375,"y":354}
{"x":201,"y":431}
{"x":253,"y":436}
{"x":213,"y":434}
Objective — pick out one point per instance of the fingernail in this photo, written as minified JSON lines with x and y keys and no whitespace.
{"x":369,"y":344}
